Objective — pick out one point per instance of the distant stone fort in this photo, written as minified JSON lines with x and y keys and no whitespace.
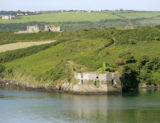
{"x":52,"y":28}
{"x":36,"y":29}
{"x":8,"y":17}
{"x":129,"y":26}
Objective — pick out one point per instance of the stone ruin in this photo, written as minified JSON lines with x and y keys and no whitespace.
{"x":108,"y":81}
{"x":30,"y":29}
{"x":9,"y":17}
{"x":52,"y":28}
{"x":33,"y":29}
{"x":129,"y":26}
{"x":36,"y":29}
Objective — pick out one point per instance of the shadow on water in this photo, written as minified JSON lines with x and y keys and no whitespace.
{"x":131,"y":93}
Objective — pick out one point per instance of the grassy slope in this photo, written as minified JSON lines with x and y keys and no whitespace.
{"x":141,"y":18}
{"x":83,"y":20}
{"x":63,"y":17}
{"x":134,"y":14}
{"x":10,"y":37}
{"x":84,"y":16}
{"x":83,"y":49}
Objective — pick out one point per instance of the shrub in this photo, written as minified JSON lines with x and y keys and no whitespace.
{"x":100,"y":70}
{"x":129,"y":59}
{"x":105,"y":68}
{"x":2,"y":68}
{"x":145,"y":76}
{"x":143,"y":60}
{"x":110,"y":69}
{"x":132,"y":42}
{"x":153,"y":64}
{"x":129,"y":78}
{"x":120,"y":62}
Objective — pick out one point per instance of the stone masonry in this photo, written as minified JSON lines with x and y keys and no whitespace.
{"x":110,"y":82}
{"x":52,"y":28}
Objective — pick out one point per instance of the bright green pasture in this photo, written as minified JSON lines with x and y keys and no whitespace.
{"x":135,"y":15}
{"x":64,"y":17}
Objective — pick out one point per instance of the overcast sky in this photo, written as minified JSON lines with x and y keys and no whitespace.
{"x":79,"y":4}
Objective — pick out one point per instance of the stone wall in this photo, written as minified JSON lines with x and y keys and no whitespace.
{"x":93,"y":82}
{"x":129,"y":26}
{"x":30,"y":29}
{"x":36,"y":29}
{"x":95,"y":76}
{"x":51,"y":28}
{"x":9,"y":17}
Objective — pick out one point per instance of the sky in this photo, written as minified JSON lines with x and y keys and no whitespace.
{"x":37,"y":5}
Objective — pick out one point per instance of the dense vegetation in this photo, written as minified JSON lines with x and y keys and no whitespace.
{"x":134,"y":53}
{"x":82,"y":20}
{"x":67,"y":25}
{"x":10,"y":37}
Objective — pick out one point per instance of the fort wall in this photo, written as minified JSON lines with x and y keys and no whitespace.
{"x":94,"y":82}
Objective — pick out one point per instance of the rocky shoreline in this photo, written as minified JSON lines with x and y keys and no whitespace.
{"x":67,"y":88}
{"x":149,"y":86}
{"x":63,"y":88}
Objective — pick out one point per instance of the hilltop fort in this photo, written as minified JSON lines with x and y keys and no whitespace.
{"x":36,"y":29}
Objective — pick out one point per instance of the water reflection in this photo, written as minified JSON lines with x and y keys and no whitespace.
{"x":31,"y":106}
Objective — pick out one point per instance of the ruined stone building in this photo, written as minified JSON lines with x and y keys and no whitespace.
{"x":36,"y":29}
{"x":129,"y":26}
{"x":30,"y":29}
{"x":52,"y":28}
{"x":108,"y":82}
{"x":9,"y":17}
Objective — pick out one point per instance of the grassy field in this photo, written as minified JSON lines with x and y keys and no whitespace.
{"x":19,"y":45}
{"x":10,"y":37}
{"x":64,"y":17}
{"x":136,"y":15}
{"x":83,"y":16}
{"x":89,"y":49}
{"x":84,"y":20}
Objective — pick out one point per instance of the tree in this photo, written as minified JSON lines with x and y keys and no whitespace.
{"x":2,"y":68}
{"x":129,"y":78}
{"x":143,"y":60}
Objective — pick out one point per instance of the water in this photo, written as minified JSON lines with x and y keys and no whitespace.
{"x":19,"y":106}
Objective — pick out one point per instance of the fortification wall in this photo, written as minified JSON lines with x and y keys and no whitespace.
{"x":36,"y":29}
{"x":95,"y":76}
{"x":30,"y":29}
{"x":94,"y":82}
{"x":52,"y":28}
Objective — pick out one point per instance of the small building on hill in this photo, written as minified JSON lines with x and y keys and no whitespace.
{"x":36,"y":29}
{"x":52,"y":28}
{"x":8,"y":17}
{"x":33,"y":29}
{"x":129,"y":26}
{"x":30,"y":29}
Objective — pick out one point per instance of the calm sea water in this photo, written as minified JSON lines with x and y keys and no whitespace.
{"x":19,"y":106}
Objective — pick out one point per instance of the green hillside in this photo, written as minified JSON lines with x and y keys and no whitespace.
{"x":84,"y":20}
{"x":134,"y":53}
{"x":63,"y":17}
{"x":138,"y":14}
